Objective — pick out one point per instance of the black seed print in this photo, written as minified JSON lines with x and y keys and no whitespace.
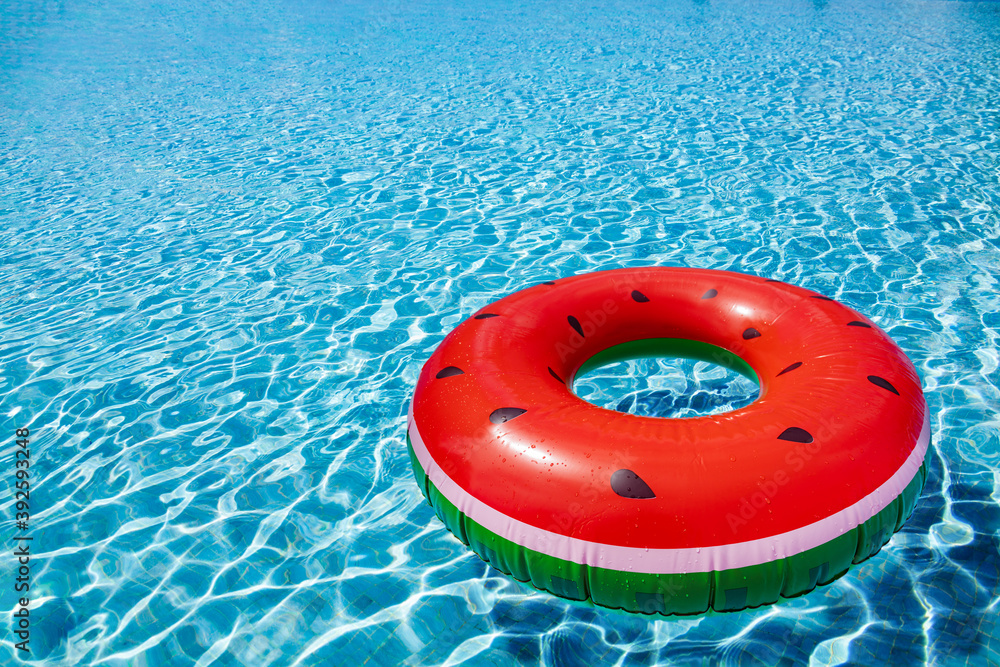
{"x":822,"y":298}
{"x":501,"y":415}
{"x":549,"y":282}
{"x":856,"y":323}
{"x":882,"y":382}
{"x":751,"y":333}
{"x":629,"y":485}
{"x":486,"y":316}
{"x":448,"y":372}
{"x":639,"y":296}
{"x":796,"y":434}
{"x":710,"y":294}
{"x":791,"y":368}
{"x":555,"y":375}
{"x":772,"y":280}
{"x":575,"y":323}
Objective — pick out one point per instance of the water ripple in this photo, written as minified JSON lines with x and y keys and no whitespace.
{"x":233,"y":234}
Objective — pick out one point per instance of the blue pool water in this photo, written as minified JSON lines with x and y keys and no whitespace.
{"x":232,"y":232}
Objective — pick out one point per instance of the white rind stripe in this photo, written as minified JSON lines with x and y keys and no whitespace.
{"x":671,"y":561}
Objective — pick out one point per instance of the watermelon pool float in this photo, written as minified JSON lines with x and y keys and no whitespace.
{"x":670,"y":516}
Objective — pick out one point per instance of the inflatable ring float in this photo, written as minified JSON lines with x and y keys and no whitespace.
{"x":670,"y":516}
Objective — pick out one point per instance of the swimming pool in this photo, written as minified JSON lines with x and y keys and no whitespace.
{"x":232,"y":233}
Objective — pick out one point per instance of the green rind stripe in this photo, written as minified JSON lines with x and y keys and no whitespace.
{"x":669,"y":347}
{"x":677,"y":594}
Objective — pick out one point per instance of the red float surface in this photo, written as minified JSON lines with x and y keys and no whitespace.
{"x":550,"y":467}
